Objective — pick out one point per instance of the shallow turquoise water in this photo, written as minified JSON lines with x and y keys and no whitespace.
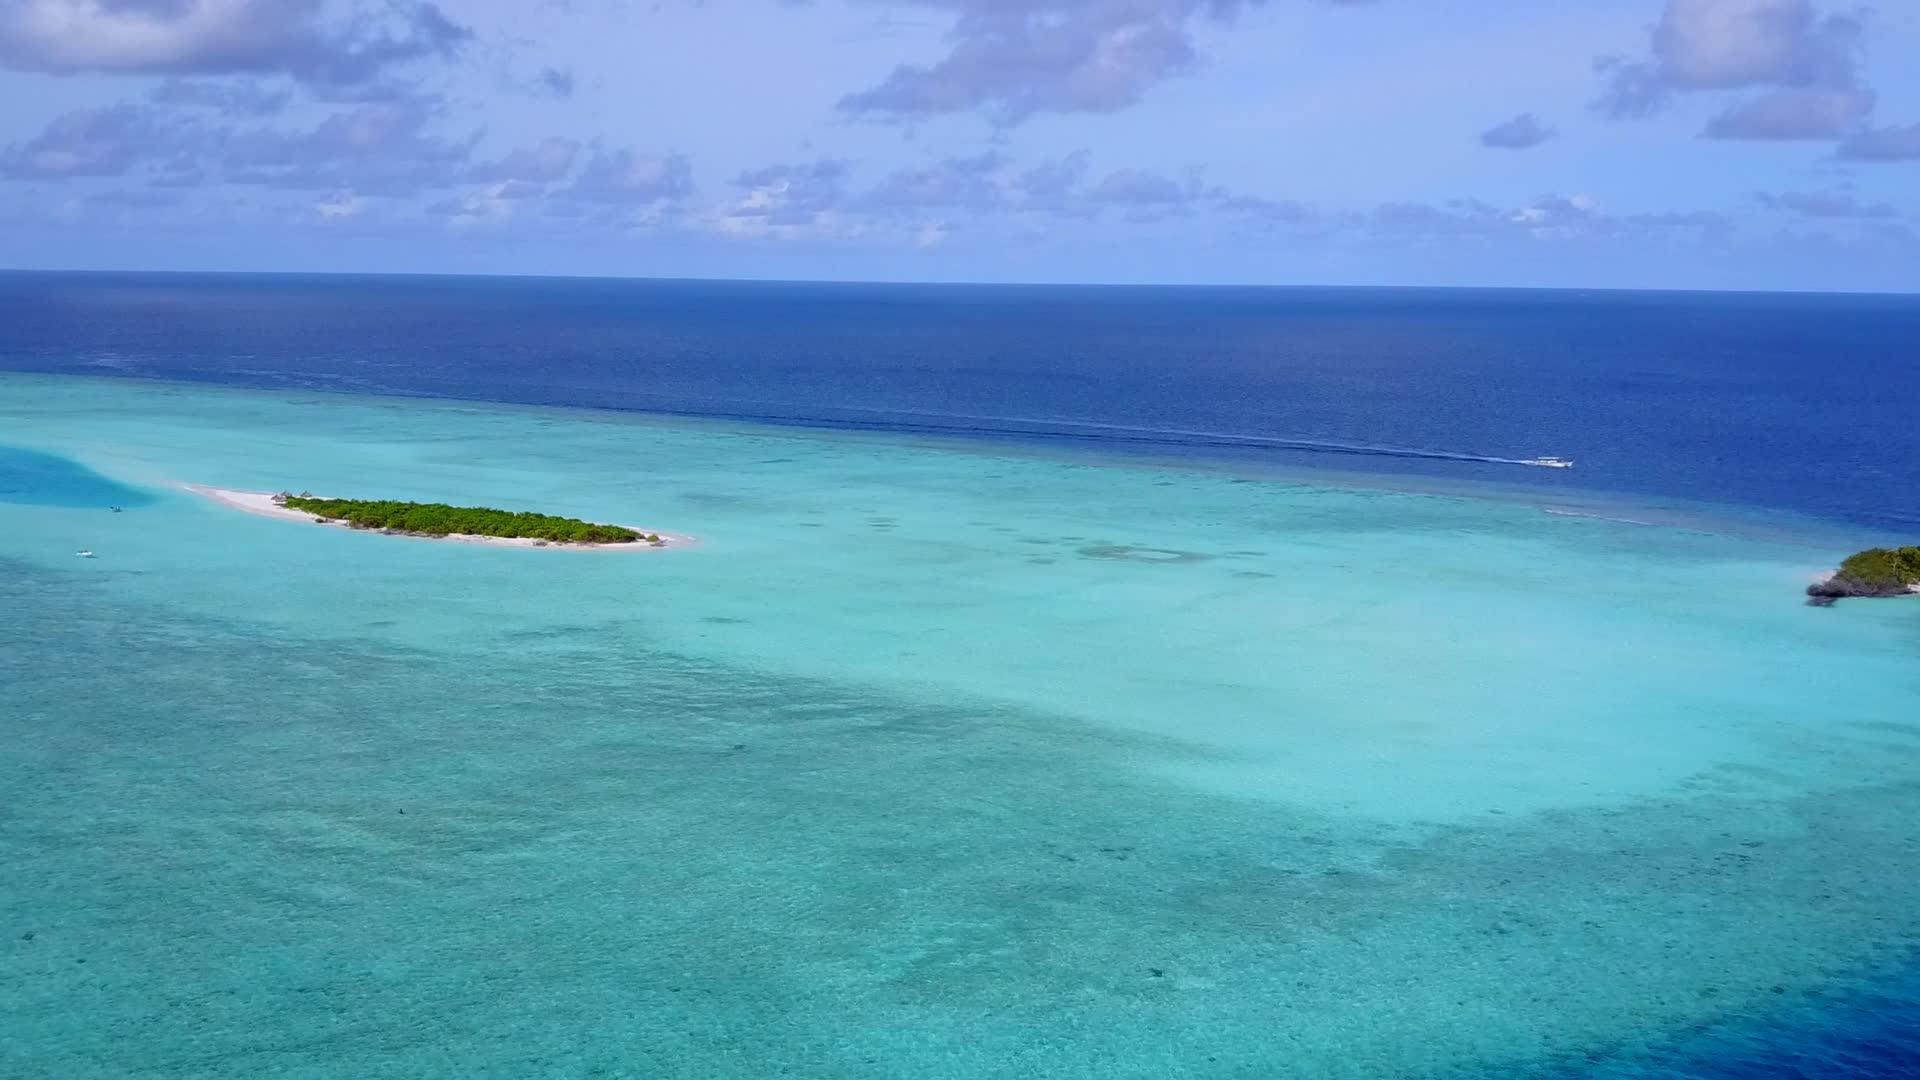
{"x":923,"y":762}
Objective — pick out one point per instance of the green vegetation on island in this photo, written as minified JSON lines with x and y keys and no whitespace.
{"x":439,"y":519}
{"x":1874,"y":572}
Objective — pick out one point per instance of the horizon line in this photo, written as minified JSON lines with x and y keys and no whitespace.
{"x":956,"y":283}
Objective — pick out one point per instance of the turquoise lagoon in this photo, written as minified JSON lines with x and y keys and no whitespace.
{"x":925,"y":761}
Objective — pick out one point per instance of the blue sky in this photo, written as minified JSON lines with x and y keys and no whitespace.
{"x":1606,"y":143}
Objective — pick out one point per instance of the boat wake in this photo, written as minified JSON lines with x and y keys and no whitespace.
{"x":1598,"y":517}
{"x":1003,"y":427}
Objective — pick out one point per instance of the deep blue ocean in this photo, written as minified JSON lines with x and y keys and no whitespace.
{"x":925,"y":871}
{"x":1788,"y":402}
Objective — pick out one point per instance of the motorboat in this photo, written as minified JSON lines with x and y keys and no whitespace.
{"x":1551,"y":463}
{"x":84,"y":554}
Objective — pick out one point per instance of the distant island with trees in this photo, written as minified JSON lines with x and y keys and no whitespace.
{"x":1874,"y":572}
{"x":441,"y":520}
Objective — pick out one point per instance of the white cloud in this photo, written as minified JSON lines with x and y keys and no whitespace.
{"x":1716,"y":45}
{"x":340,"y":207}
{"x":349,"y":41}
{"x":1017,"y":59}
{"x":1793,"y":114}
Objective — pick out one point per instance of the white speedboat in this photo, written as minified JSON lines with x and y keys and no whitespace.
{"x":1551,"y":463}
{"x":84,"y":554}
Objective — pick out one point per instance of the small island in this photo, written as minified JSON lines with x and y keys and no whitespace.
{"x":1874,"y":572}
{"x":440,"y":521}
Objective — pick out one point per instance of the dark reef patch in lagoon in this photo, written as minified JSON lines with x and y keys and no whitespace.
{"x":37,"y":479}
{"x":1868,"y":1033}
{"x":1131,"y":553}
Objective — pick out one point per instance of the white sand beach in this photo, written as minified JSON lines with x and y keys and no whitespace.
{"x":262,"y":504}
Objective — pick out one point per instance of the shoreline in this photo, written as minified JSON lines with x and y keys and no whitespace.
{"x":261,"y":504}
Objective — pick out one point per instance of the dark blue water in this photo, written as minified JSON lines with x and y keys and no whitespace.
{"x":1800,"y":403}
{"x":46,"y":480}
{"x":1870,"y":1035}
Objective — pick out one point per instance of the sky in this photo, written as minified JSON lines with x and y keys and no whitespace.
{"x":1723,"y":144}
